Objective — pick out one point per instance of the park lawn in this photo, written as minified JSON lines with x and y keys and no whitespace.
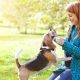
{"x":30,"y":44}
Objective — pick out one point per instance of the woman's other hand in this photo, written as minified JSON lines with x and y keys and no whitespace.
{"x":59,"y":40}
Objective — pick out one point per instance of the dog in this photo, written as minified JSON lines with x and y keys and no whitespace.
{"x":46,"y":56}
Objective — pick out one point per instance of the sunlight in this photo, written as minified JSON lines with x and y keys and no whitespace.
{"x":6,"y":12}
{"x":6,"y":6}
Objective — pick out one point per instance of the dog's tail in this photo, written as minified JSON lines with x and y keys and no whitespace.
{"x":17,"y":56}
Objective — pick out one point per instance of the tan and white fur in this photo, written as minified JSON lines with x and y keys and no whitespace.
{"x":24,"y":72}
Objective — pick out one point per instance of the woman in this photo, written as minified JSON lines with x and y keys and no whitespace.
{"x":72,"y":44}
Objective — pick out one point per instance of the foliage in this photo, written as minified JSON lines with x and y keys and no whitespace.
{"x":43,"y":13}
{"x":35,"y":14}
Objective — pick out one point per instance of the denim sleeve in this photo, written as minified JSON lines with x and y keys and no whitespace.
{"x":71,"y":49}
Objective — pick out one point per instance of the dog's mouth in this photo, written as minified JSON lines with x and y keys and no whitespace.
{"x":52,"y":33}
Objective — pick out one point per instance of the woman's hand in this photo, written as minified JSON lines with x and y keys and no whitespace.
{"x":59,"y":40}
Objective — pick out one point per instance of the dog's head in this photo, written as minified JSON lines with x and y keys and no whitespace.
{"x":52,"y":32}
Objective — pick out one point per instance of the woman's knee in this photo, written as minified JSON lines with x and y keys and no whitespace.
{"x":56,"y":73}
{"x":65,"y":75}
{"x":53,"y":76}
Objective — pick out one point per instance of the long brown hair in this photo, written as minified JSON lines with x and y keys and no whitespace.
{"x":75,"y":8}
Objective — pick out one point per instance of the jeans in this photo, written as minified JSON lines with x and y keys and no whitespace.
{"x":61,"y":75}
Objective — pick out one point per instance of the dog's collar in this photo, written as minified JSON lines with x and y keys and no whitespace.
{"x":46,"y":49}
{"x":52,"y":49}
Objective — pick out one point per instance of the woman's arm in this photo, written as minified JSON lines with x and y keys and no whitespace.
{"x":68,"y":47}
{"x":71,"y":49}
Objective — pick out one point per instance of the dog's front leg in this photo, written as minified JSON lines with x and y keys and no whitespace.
{"x":64,"y":59}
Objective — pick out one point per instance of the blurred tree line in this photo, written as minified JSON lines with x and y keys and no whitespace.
{"x":37,"y":14}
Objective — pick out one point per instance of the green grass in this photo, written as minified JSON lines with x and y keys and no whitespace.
{"x":30,"y":45}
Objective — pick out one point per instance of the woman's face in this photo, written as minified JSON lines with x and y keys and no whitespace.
{"x":73,"y":18}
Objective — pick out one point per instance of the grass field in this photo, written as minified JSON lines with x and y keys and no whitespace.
{"x":30,"y":44}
